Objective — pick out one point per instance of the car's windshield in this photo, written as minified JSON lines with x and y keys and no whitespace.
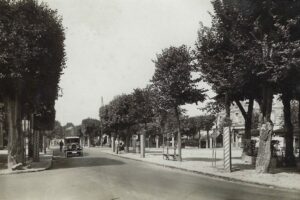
{"x":72,"y":140}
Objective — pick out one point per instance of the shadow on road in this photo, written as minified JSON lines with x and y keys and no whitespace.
{"x":3,"y":161}
{"x":154,"y":152}
{"x":200,"y":159}
{"x":61,"y":162}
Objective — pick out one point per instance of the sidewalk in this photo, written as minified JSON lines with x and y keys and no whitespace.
{"x":200,"y":161}
{"x":44,"y":163}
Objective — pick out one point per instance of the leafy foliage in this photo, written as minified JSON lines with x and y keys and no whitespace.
{"x":173,"y":77}
{"x":32,"y":56}
{"x":90,"y":127}
{"x":58,"y":130}
{"x":142,"y":107}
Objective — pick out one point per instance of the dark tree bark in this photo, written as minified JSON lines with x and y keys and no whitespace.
{"x":299,"y":123}
{"x":168,"y":144}
{"x":247,"y":150}
{"x":199,"y":139}
{"x":118,"y":144}
{"x":127,"y":142}
{"x":143,"y":141}
{"x":30,"y":137}
{"x":15,"y":134}
{"x":36,"y":139}
{"x":148,"y":141}
{"x":227,"y":107}
{"x":265,"y":135}
{"x":179,"y":134}
{"x":289,"y":133}
{"x":42,"y":132}
{"x":1,"y":135}
{"x":207,"y":139}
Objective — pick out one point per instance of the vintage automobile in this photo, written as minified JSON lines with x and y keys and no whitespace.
{"x":72,"y":146}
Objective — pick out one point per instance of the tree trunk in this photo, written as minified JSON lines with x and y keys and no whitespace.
{"x":149,"y":141}
{"x":2,"y":117}
{"x":168,"y":144}
{"x":22,"y":143}
{"x":143,"y":141}
{"x":227,"y":106}
{"x":199,"y":139}
{"x":265,"y":135}
{"x":118,"y":144}
{"x":113,"y":143}
{"x":127,"y":143}
{"x":30,"y":137}
{"x":15,"y":134}
{"x":173,"y":141}
{"x":133,"y":144}
{"x":42,"y":132}
{"x":207,"y":140}
{"x":163,"y":142}
{"x":247,"y":149}
{"x":44,"y":144}
{"x":289,"y":134}
{"x":1,"y":135}
{"x":179,"y":134}
{"x":36,"y":140}
{"x":299,"y":126}
{"x":89,"y":141}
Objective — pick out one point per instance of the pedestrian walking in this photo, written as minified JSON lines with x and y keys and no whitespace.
{"x":61,"y":144}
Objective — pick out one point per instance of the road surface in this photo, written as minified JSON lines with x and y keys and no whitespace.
{"x":98,"y":176}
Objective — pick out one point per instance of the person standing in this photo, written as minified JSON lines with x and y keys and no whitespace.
{"x":61,"y":144}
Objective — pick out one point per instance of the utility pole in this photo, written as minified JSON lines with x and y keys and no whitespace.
{"x":101,"y":125}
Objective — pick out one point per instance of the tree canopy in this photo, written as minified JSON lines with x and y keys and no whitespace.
{"x":175,"y":83}
{"x":32,"y":57}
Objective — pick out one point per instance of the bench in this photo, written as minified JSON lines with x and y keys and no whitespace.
{"x":167,"y":156}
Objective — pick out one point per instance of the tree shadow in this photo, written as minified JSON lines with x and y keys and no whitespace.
{"x":154,"y":152}
{"x":237,"y":157}
{"x":58,"y":154}
{"x":61,"y":162}
{"x":278,"y":170}
{"x":201,"y":159}
{"x":75,"y":162}
{"x":3,"y":161}
{"x":241,"y":167}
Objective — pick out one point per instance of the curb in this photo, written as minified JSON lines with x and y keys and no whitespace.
{"x":208,"y":174}
{"x":30,"y":170}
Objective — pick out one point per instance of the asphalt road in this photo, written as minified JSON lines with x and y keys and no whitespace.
{"x":101,"y":176}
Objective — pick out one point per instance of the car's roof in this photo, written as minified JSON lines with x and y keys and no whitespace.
{"x":72,"y":137}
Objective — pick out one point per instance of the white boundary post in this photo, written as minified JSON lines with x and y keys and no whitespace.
{"x":227,"y":149}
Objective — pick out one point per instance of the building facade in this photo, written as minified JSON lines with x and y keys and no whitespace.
{"x":238,"y":123}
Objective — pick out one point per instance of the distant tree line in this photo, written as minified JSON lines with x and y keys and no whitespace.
{"x":154,"y":106}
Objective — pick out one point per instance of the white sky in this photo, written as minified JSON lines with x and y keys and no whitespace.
{"x":110,"y":45}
